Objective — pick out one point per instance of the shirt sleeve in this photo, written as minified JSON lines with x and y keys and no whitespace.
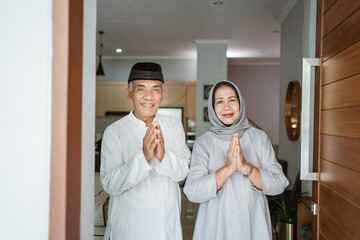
{"x":272,"y":177}
{"x":116,"y":175}
{"x":200,"y":184}
{"x":175,"y":163}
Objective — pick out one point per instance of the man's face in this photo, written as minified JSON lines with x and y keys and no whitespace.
{"x":146,"y":96}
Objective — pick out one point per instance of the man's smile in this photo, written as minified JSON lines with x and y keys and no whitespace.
{"x":147,"y":104}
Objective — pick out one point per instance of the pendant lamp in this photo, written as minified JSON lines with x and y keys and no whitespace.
{"x":100,"y":71}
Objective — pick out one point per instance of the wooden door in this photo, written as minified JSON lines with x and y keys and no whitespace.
{"x":338,"y":123}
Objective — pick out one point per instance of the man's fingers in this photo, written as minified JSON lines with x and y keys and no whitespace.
{"x":158,"y":130}
{"x":150,"y":134}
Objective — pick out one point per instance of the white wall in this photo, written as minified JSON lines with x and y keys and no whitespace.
{"x":260,"y":87}
{"x":297,"y":42}
{"x":25,"y":103}
{"x":118,"y":69}
{"x":88,"y":122}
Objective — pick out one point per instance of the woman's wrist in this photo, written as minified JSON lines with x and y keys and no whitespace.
{"x":250,"y":171}
{"x":229,"y":171}
{"x":245,"y":168}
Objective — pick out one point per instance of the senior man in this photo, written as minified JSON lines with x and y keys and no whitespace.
{"x":143,"y":158}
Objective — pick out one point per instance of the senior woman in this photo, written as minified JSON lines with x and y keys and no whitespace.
{"x":233,"y":168}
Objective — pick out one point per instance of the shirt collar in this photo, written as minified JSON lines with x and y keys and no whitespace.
{"x":140,"y":122}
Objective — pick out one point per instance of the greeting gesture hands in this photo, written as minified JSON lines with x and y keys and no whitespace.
{"x":160,"y":143}
{"x":237,"y":162}
{"x":235,"y":158}
{"x":233,"y":155}
{"x":242,"y":165}
{"x":153,"y":143}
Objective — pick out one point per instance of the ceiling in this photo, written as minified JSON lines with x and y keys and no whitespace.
{"x":169,"y":28}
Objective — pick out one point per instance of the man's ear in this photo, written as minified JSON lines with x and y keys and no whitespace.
{"x":128,"y":94}
{"x":163,"y":94}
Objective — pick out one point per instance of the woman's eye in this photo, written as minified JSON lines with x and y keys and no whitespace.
{"x":219,"y":102}
{"x":232,"y":100}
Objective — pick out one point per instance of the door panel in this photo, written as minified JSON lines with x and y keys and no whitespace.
{"x":342,"y":65}
{"x":341,"y":180}
{"x":327,"y":4}
{"x":333,"y":228}
{"x":338,"y":12}
{"x":337,"y":142}
{"x":348,"y":217}
{"x":340,"y":150}
{"x":341,"y":122}
{"x":342,"y":37}
{"x":341,"y":94}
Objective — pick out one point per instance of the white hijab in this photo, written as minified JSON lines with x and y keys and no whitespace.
{"x":218,"y":128}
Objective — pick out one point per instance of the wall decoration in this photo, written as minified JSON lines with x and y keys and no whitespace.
{"x":293,"y":110}
{"x":206,"y":115}
{"x":206,"y":91}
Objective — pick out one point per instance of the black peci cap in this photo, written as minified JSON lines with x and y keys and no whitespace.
{"x":146,"y":71}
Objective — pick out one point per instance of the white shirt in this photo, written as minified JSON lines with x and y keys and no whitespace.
{"x":238,"y":210}
{"x":145,"y":198}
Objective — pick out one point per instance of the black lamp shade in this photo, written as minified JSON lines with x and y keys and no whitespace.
{"x":100,"y":70}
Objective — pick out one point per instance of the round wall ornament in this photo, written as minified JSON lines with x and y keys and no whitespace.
{"x":293,"y":110}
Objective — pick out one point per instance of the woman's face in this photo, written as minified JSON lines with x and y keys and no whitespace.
{"x":226,"y":104}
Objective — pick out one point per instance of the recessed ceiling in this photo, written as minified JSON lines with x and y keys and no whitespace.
{"x":168,"y":28}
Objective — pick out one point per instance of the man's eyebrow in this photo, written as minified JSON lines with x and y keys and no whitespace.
{"x":140,"y":85}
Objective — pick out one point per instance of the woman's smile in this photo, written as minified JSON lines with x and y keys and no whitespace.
{"x":228,"y":115}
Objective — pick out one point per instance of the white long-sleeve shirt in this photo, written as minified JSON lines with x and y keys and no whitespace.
{"x":238,"y":210}
{"x":145,"y":198}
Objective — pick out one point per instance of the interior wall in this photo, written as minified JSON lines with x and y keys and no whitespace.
{"x":118,"y":69}
{"x":88,"y":122}
{"x":25,"y":102}
{"x":297,"y":42}
{"x":260,"y":87}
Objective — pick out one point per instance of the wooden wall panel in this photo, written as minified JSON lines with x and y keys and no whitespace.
{"x":175,"y":94}
{"x":341,"y":122}
{"x":345,"y":93}
{"x":342,"y":180}
{"x":339,"y":150}
{"x":339,"y":168}
{"x":338,"y":12}
{"x":330,"y":227}
{"x":327,"y":4}
{"x":345,"y":35}
{"x":342,"y":65}
{"x":347,"y":218}
{"x":322,"y":237}
{"x":191,"y":100}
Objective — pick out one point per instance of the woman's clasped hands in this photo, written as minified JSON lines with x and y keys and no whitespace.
{"x":235,"y":158}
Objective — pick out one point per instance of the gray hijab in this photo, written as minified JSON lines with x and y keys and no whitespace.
{"x":218,"y":128}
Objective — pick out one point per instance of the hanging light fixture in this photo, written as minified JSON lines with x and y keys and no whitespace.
{"x":100,"y":71}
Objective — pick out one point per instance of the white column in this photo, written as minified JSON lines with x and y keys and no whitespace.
{"x":88,"y":122}
{"x":25,"y":118}
{"x":211,"y":67}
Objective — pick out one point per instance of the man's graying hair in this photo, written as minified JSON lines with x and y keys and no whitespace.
{"x":130,"y":86}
